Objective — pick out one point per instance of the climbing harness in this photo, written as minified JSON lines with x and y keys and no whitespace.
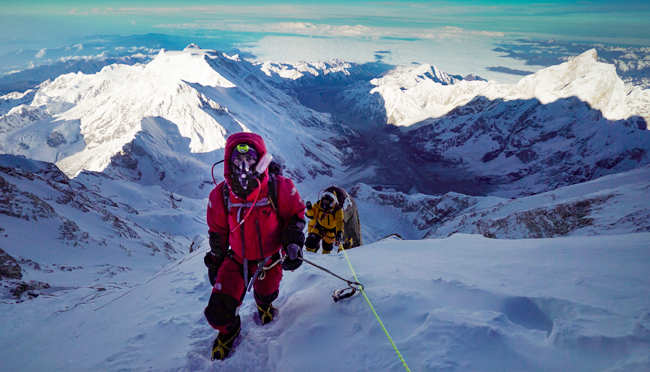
{"x":257,"y":195}
{"x":260,"y":268}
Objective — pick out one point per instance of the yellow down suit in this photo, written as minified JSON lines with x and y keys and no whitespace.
{"x":323,"y":223}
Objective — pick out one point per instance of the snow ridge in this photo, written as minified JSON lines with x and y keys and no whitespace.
{"x":606,"y":205}
{"x":409,"y":100}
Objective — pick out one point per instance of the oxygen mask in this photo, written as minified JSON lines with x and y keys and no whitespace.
{"x":242,"y":162}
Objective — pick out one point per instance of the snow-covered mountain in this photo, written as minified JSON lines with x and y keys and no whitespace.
{"x":135,"y":119}
{"x":522,"y":147}
{"x":562,"y":125}
{"x":418,"y":93}
{"x":607,"y":205}
{"x":102,"y":221}
{"x":566,"y":124}
{"x":32,"y":77}
{"x":62,"y":231}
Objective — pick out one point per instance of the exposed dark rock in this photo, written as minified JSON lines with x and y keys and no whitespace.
{"x":545,"y":222}
{"x":55,"y":139}
{"x":526,"y":156}
{"x":68,"y":230}
{"x":122,"y":228}
{"x":30,"y":289}
{"x":9,"y":267}
{"x":20,"y":204}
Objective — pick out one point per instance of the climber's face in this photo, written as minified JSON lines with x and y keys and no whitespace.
{"x":327,"y":202}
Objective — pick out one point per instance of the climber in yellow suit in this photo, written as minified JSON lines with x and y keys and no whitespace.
{"x":325,"y":222}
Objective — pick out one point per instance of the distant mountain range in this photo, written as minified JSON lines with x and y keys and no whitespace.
{"x":562,"y":152}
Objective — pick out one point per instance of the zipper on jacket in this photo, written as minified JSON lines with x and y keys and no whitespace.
{"x":243,"y":251}
{"x":259,"y":238}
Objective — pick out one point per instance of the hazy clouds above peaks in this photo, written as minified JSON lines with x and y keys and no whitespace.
{"x":461,"y":37}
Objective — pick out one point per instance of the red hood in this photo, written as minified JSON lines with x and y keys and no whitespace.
{"x":233,"y":140}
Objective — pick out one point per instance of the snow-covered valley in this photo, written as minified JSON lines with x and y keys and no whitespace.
{"x":524,"y":208}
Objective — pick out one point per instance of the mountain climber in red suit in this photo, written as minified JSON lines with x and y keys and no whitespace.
{"x":264,"y":235}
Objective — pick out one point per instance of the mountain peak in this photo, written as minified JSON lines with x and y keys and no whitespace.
{"x":192,"y":65}
{"x":589,"y":56}
{"x":411,"y":76}
{"x":582,"y":76}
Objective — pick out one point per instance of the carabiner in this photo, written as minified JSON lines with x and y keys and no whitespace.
{"x":340,"y":294}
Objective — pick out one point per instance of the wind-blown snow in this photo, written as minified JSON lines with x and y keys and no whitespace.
{"x":455,"y":304}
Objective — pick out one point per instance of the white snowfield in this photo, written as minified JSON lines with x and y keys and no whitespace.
{"x":464,"y":303}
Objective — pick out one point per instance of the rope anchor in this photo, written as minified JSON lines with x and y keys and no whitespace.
{"x":338,"y":294}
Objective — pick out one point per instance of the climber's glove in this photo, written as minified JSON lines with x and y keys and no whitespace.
{"x":292,"y":257}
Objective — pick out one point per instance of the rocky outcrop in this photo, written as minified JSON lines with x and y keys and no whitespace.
{"x":11,"y":284}
{"x":9,"y":267}
{"x":608,"y":205}
{"x":21,"y":204}
{"x":55,"y":191}
{"x":524,"y":147}
{"x":549,"y":222}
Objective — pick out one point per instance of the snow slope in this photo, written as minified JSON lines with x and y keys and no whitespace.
{"x":611,"y":204}
{"x":455,"y":304}
{"x":93,"y":232}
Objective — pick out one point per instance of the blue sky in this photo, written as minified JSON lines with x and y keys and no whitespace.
{"x":446,"y":33}
{"x":586,"y":19}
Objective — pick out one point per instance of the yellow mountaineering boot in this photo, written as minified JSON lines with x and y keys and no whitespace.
{"x":223,"y":344}
{"x":267,"y":312}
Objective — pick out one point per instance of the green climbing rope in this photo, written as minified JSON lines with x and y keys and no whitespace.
{"x":363,"y":292}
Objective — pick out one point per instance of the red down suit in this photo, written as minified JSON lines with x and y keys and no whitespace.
{"x":265,"y":230}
